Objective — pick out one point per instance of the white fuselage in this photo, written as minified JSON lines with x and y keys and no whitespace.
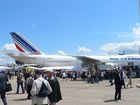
{"x":58,"y":60}
{"x":119,"y":59}
{"x":46,"y":60}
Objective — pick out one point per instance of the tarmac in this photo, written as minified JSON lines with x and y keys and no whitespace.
{"x":81,"y":93}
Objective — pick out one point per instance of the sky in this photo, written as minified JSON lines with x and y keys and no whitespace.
{"x":73,"y":27}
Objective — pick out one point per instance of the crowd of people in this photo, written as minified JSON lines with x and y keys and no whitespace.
{"x":32,"y":82}
{"x":121,"y":77}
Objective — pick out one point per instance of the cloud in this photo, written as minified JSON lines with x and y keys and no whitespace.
{"x":136,"y":31}
{"x":9,"y":48}
{"x":61,"y":52}
{"x":125,"y":34}
{"x":4,"y":59}
{"x":83,"y":49}
{"x":128,"y":47}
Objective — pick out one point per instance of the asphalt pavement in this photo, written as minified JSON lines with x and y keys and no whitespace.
{"x":81,"y":93}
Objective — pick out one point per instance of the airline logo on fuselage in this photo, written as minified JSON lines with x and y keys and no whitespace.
{"x":125,"y":59}
{"x":22,"y":44}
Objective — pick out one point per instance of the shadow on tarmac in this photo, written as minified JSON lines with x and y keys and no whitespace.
{"x":22,"y":99}
{"x":108,"y":85}
{"x":10,"y":93}
{"x":110,"y":100}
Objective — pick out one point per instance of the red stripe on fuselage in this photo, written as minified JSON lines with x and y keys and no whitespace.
{"x":20,"y":49}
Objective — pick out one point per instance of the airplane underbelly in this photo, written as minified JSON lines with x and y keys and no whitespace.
{"x":44,"y":62}
{"x":59,"y":63}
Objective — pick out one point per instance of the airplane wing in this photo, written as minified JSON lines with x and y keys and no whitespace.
{"x":89,"y":60}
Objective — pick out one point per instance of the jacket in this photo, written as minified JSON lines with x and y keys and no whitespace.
{"x":35,"y":90}
{"x":3,"y":81}
{"x":55,"y":96}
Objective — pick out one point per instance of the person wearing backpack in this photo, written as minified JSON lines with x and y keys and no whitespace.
{"x":37,"y":86}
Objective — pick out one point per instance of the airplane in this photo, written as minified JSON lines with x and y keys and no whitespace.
{"x":119,"y":60}
{"x":29,"y":54}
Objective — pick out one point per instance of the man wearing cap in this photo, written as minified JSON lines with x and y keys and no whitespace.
{"x":37,"y":84}
{"x":55,"y":96}
{"x":3,"y":81}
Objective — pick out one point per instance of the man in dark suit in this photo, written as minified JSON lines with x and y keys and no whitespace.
{"x":118,"y":84}
{"x":3,"y":81}
{"x":55,"y":96}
